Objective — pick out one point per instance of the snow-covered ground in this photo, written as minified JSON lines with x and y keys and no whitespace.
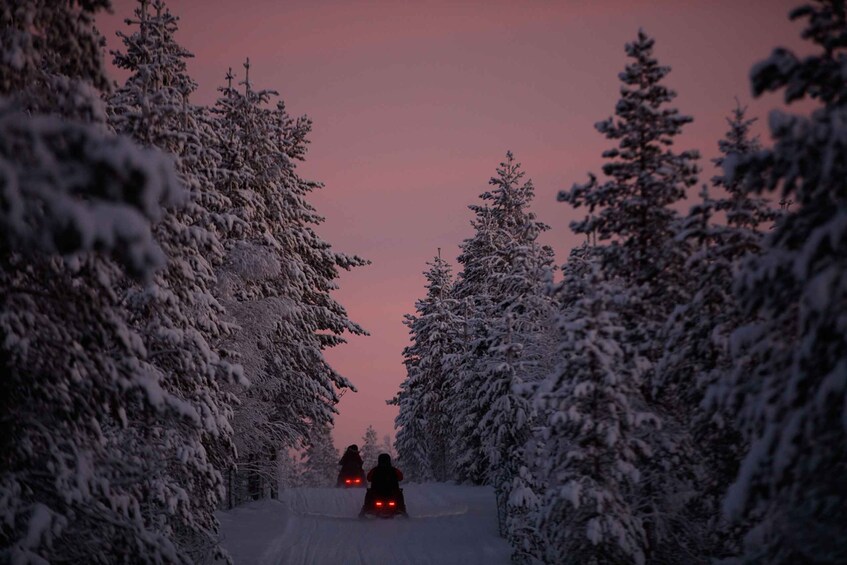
{"x":447,"y":524}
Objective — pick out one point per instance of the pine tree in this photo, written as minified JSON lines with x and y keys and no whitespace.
{"x":531,"y":485}
{"x":468,"y":365}
{"x":697,"y":352}
{"x":75,"y":216}
{"x":369,"y":449}
{"x":745,"y":212}
{"x":153,"y":107}
{"x":424,"y":393}
{"x":277,"y":277}
{"x":633,"y":208}
{"x":789,"y":383}
{"x":501,"y":284}
{"x":409,"y":423}
{"x":594,"y":414}
{"x":521,"y":337}
{"x":633,"y":211}
{"x":321,"y":459}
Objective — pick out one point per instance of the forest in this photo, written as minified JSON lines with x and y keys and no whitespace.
{"x":675,"y":392}
{"x":165,"y":297}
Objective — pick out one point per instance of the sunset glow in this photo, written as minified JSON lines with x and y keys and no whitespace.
{"x":415,"y":104}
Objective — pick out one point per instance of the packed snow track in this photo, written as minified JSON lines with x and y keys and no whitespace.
{"x":447,"y":524}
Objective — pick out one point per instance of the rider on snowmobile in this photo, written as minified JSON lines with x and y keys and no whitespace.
{"x":351,"y":465}
{"x":385,"y":482}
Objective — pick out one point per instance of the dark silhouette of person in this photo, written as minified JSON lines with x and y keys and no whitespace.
{"x":351,"y":465}
{"x":385,"y":482}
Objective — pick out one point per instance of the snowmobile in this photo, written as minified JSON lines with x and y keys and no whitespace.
{"x":350,"y":480}
{"x":351,"y":474}
{"x":384,"y":506}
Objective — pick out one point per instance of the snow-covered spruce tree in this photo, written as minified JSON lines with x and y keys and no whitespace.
{"x":523,"y":506}
{"x":521,"y":337}
{"x":409,"y":425}
{"x":505,"y":428}
{"x":320,"y":465}
{"x":177,"y":315}
{"x":52,"y":60}
{"x":696,"y":338}
{"x":369,"y":449}
{"x":746,"y":213}
{"x":468,"y":458}
{"x":790,"y":383}
{"x":262,"y":423}
{"x":73,"y":196}
{"x":423,"y":397}
{"x":633,"y":212}
{"x":276,"y":279}
{"x":501,"y":284}
{"x":529,"y":486}
{"x":593,"y":410}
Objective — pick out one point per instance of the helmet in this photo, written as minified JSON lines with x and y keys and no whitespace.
{"x":353,"y":447}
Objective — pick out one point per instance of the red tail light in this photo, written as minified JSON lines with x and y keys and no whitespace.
{"x":357,"y":481}
{"x":348,"y":481}
{"x":392,"y":503}
{"x":378,"y":503}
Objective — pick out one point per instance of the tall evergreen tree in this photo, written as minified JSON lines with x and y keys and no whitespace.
{"x":409,"y":425}
{"x":633,"y":208}
{"x":73,"y":199}
{"x":502,"y":284}
{"x":521,"y":339}
{"x":369,"y":450}
{"x":425,"y":391}
{"x":790,"y":383}
{"x":532,"y":486}
{"x":277,"y":276}
{"x":593,"y":412}
{"x":178,"y":315}
{"x":633,"y":211}
{"x":467,"y":365}
{"x":320,"y":467}
{"x":697,"y":352}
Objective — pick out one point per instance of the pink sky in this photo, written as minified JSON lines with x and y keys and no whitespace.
{"x":415,"y":103}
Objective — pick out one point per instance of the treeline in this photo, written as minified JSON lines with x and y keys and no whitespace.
{"x":679,"y":396}
{"x":164,"y":299}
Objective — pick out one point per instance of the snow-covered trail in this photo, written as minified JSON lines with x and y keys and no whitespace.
{"x":447,"y":524}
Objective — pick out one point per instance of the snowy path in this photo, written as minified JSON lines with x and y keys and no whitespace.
{"x":448,"y":524}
